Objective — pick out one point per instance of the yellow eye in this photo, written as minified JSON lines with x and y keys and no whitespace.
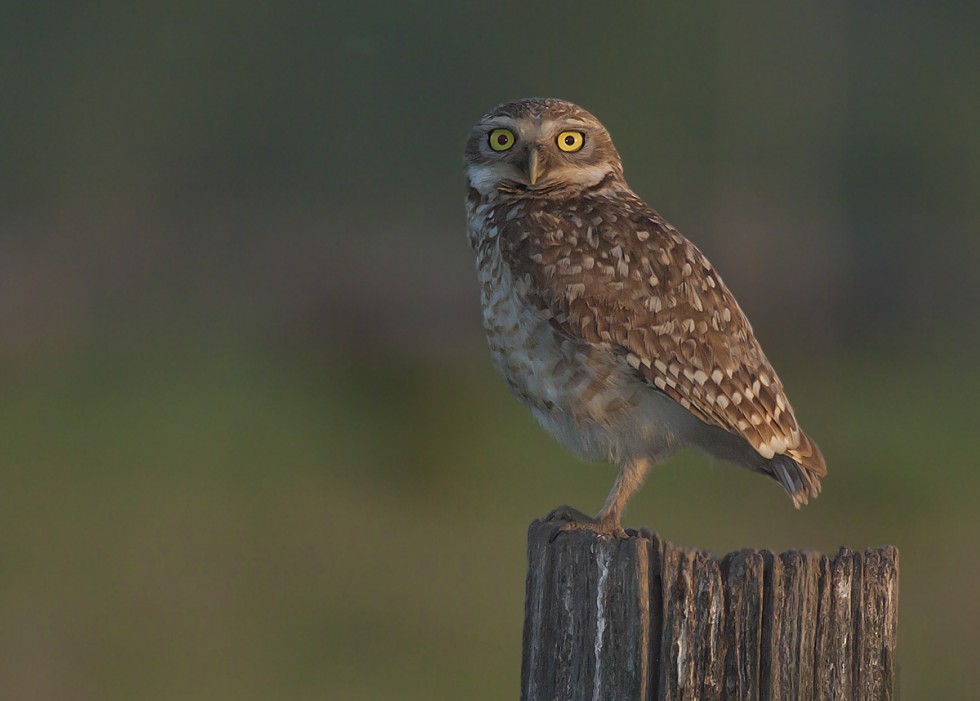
{"x":571,"y":141}
{"x":501,"y":139}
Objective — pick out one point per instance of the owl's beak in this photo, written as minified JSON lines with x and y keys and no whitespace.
{"x":533,"y":165}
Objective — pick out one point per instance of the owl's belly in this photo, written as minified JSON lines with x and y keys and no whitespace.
{"x":588,"y":398}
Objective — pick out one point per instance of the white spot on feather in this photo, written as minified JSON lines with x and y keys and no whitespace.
{"x":575,"y":291}
{"x":695,"y":300}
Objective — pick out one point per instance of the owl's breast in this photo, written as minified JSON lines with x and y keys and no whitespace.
{"x":582,"y":393}
{"x":525,"y":348}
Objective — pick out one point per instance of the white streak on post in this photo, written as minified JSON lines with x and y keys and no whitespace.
{"x":844,"y":596}
{"x":602,"y":560}
{"x":681,"y":654}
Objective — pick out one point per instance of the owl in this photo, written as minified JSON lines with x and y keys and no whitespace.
{"x":613,"y":329}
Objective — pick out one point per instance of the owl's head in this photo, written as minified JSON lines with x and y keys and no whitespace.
{"x":541,"y":145}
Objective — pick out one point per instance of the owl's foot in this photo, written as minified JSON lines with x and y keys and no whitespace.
{"x":567,"y":513}
{"x":575,"y":520}
{"x":599,"y":527}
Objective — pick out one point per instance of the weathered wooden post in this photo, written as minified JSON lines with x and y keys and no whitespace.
{"x":641,"y":620}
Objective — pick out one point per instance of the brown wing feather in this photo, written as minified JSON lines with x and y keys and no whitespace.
{"x":612,"y":271}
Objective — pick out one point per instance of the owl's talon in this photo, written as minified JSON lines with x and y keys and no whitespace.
{"x":567,"y":513}
{"x":602,"y":528}
{"x":611,"y":530}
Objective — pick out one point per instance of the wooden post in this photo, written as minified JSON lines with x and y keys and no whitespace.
{"x":642,"y":620}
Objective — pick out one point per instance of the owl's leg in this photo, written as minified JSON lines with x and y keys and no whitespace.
{"x":609,"y":519}
{"x":629,"y":479}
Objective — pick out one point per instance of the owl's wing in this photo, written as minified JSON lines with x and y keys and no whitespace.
{"x":637,"y":286}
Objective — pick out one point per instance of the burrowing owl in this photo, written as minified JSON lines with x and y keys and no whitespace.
{"x":612,"y":328}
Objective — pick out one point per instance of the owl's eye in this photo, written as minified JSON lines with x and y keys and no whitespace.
{"x":571,"y":141}
{"x":501,"y":139}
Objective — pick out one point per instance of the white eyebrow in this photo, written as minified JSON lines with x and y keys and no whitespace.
{"x":555,"y":124}
{"x":504,"y":120}
{"x":500,"y":121}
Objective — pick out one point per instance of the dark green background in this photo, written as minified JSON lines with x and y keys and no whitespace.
{"x":251,"y":443}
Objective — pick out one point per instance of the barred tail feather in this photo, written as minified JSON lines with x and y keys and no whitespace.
{"x":799,"y":470}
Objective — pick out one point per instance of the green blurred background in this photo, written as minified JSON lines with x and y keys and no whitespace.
{"x":251,"y":442}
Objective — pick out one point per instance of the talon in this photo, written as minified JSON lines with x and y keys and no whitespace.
{"x":566,"y":513}
{"x":575,"y":520}
{"x":600,"y":528}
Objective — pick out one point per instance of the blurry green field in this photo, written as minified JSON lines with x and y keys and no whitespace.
{"x":219,"y":523}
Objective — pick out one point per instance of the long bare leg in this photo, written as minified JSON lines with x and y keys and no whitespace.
{"x":609,"y":518}
{"x":629,"y":479}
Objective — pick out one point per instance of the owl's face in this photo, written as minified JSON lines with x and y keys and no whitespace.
{"x":540,"y":145}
